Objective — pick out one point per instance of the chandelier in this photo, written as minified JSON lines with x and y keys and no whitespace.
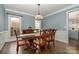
{"x":38,"y":17}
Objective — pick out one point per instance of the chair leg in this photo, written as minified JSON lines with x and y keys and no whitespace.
{"x":25,"y":42}
{"x":39,"y":49}
{"x":48,"y":44}
{"x":17,"y":49}
{"x":54,"y":43}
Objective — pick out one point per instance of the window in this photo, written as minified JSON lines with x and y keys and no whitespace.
{"x":37,"y":24}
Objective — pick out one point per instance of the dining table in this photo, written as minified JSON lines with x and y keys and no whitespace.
{"x":30,"y":37}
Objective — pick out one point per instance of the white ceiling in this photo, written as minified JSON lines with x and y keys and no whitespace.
{"x":45,"y":9}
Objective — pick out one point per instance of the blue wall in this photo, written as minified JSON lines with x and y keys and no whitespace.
{"x":1,"y":18}
{"x":57,"y":21}
{"x":26,"y":20}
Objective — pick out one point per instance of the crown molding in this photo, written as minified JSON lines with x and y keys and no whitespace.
{"x":46,"y":15}
{"x":72,"y":6}
{"x":18,"y":12}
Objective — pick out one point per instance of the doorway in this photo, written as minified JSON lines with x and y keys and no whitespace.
{"x":14,"y":23}
{"x":73,"y":27}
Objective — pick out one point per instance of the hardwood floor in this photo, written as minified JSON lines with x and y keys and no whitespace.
{"x":60,"y":48}
{"x":73,"y":46}
{"x":10,"y":48}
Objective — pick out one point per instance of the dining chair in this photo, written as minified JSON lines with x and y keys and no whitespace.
{"x":41,"y":43}
{"x":19,"y":42}
{"x":51,"y":38}
{"x":27,"y":31}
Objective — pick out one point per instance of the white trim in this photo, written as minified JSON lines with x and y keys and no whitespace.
{"x":9,"y":25}
{"x":61,"y":10}
{"x":67,"y":26}
{"x":3,"y":32}
{"x":2,"y":45}
{"x":67,"y":20}
{"x":18,"y":12}
{"x":73,"y":10}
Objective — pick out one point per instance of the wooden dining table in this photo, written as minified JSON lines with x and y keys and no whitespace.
{"x":30,"y":37}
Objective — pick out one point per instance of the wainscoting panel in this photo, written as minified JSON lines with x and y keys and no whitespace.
{"x":2,"y":40}
{"x":8,"y":38}
{"x":62,"y":36}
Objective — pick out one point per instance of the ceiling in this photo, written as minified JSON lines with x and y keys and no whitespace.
{"x":45,"y":9}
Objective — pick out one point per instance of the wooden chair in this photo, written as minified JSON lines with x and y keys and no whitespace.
{"x":19,"y":42}
{"x":42,"y":43}
{"x":51,"y":38}
{"x":27,"y":31}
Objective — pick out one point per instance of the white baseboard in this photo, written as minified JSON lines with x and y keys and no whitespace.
{"x":1,"y":45}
